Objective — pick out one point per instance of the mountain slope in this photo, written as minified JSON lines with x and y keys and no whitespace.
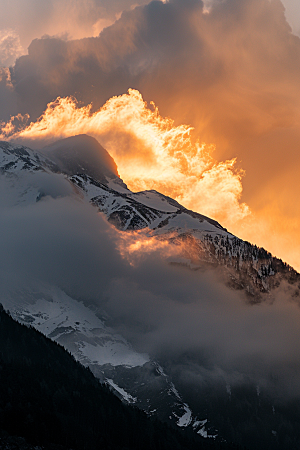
{"x":31,"y":178}
{"x":245,"y":265}
{"x":82,"y":325}
{"x":48,"y":398}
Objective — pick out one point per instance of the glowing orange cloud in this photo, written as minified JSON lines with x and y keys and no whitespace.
{"x":136,"y":245}
{"x":150,"y":152}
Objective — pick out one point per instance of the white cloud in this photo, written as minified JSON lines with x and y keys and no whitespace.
{"x":10,"y":47}
{"x":292,"y":14}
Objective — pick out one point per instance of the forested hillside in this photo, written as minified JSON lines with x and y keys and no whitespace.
{"x":49,"y":399}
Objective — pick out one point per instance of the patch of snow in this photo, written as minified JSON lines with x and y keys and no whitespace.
{"x":74,"y":326}
{"x":203,"y":432}
{"x":174,"y":390}
{"x":186,"y":419}
{"x":154,"y":200}
{"x":186,"y":222}
{"x":160,"y":370}
{"x":127,"y":397}
{"x":196,"y":424}
{"x":114,"y":353}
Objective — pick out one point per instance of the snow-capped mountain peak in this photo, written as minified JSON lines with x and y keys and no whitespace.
{"x":81,"y":168}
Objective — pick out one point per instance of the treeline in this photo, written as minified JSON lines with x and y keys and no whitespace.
{"x":50,"y":399}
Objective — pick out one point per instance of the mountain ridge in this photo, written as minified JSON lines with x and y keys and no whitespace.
{"x":50,"y":401}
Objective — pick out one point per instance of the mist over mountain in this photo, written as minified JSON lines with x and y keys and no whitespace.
{"x":177,"y":315}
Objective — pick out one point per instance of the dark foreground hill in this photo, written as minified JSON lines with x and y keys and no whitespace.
{"x":49,"y":399}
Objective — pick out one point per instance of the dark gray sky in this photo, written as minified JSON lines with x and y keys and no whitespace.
{"x":22,"y":21}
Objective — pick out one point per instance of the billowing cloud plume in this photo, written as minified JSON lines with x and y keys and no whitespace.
{"x":150,"y":152}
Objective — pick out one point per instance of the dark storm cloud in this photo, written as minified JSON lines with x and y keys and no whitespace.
{"x":8,"y":96}
{"x":94,"y":69}
{"x":71,"y":19}
{"x":166,"y":49}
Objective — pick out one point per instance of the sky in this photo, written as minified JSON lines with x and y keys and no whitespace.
{"x":212,"y":115}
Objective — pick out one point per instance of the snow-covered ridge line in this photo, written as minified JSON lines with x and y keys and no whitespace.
{"x":245,"y":266}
